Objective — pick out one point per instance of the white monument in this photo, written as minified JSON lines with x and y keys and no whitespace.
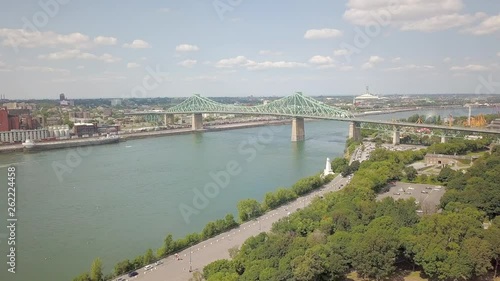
{"x":328,"y":168}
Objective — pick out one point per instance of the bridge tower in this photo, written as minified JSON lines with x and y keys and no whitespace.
{"x":298,"y":131}
{"x":197,"y":122}
{"x":354,"y":131}
{"x":396,"y":137}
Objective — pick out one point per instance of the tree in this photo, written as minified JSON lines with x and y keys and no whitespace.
{"x":338,"y":164}
{"x":493,"y":237}
{"x":167,"y":248}
{"x":123,"y":267}
{"x":375,"y":250}
{"x":96,"y":270}
{"x":83,"y":277}
{"x":248,"y":209}
{"x":411,"y":173}
{"x":148,"y":257}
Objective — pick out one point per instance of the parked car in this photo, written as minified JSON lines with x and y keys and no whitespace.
{"x":397,"y":193}
{"x":158,"y":262}
{"x":425,"y":191}
{"x":429,"y":187}
{"x":133,"y":273}
{"x":148,"y":267}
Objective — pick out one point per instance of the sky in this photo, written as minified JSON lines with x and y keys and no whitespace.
{"x":149,"y":48}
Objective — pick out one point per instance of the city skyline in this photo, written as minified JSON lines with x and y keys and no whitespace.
{"x":242,"y":48}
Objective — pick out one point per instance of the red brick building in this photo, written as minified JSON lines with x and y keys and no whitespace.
{"x":15,"y":119}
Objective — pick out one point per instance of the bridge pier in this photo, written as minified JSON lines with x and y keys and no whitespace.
{"x":396,"y":138}
{"x":443,"y":139}
{"x":298,"y":132}
{"x":197,"y":122}
{"x":168,"y":119}
{"x":354,"y":131}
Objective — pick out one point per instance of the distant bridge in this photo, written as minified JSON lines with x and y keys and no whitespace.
{"x":297,"y":106}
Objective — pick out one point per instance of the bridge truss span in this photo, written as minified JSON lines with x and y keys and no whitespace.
{"x":296,"y":105}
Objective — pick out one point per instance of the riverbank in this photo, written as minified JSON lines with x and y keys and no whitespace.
{"x":60,"y":144}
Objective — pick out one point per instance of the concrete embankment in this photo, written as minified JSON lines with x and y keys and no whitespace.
{"x":79,"y":142}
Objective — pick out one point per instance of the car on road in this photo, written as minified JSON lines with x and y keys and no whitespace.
{"x":158,"y":262}
{"x":148,"y":267}
{"x":410,"y":188}
{"x":121,"y":279}
{"x":397,"y":193}
{"x":425,"y":191}
{"x":133,"y":273}
{"x":428,"y":187}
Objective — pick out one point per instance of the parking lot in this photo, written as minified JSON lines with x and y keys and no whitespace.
{"x":427,"y":196}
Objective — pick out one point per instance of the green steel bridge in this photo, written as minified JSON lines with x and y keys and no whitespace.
{"x":298,"y":107}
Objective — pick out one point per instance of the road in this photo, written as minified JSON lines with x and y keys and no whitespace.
{"x":217,"y":247}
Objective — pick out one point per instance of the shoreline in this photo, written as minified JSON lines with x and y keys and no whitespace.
{"x":4,"y":149}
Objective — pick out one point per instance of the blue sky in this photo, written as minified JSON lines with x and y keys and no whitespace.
{"x":133,"y":48}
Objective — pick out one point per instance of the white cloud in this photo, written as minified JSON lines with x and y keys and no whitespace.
{"x":321,"y":60}
{"x":322,"y":33}
{"x":241,"y":61}
{"x":27,"y":39}
{"x":232,"y":62}
{"x":498,"y":54}
{"x":447,"y":60}
{"x":487,"y":26}
{"x":372,"y":61}
{"x":186,"y":48}
{"x":396,"y":60}
{"x":133,"y":65}
{"x":187,"y":63}
{"x":270,"y":53}
{"x":137,"y":44}
{"x":77,"y":54}
{"x":419,"y":15}
{"x":341,"y":52}
{"x":80,"y":67}
{"x":164,"y":10}
{"x":102,"y":40}
{"x":42,"y":69}
{"x":275,"y":64}
{"x":470,"y":67}
{"x":20,"y":38}
{"x":410,"y":67}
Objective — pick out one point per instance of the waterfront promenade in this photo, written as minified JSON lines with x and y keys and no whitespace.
{"x":217,"y":247}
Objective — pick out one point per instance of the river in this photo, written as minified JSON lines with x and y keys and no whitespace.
{"x":115,"y":201}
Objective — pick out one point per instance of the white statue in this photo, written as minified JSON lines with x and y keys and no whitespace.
{"x":328,"y":168}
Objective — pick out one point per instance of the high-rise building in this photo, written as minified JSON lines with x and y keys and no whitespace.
{"x":62,"y":97}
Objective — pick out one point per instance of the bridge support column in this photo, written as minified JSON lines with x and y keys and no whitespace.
{"x":168,"y":119}
{"x":443,"y":139}
{"x":298,"y":132}
{"x":396,"y":137}
{"x":197,"y":122}
{"x":355,"y":131}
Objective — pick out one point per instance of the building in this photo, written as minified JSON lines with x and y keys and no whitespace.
{"x":83,"y":129}
{"x":116,"y":102}
{"x":62,"y":97}
{"x":367,"y":100}
{"x":67,"y":103}
{"x":22,"y":135}
{"x":17,"y":119}
{"x":445,"y":160}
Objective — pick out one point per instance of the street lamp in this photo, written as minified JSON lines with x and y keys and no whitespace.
{"x":259,"y":224}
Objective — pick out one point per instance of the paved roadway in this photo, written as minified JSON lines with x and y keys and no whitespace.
{"x":217,"y":247}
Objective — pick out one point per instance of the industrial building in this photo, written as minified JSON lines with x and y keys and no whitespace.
{"x":367,"y":100}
